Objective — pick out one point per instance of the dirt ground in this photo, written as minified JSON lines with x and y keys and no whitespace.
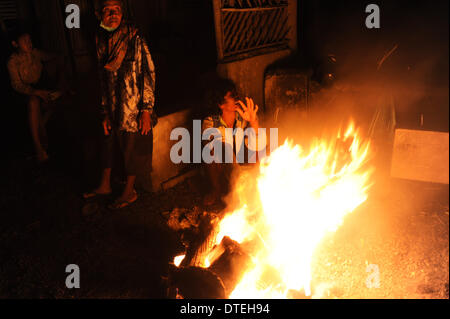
{"x":121,"y":254}
{"x":402,"y":229}
{"x":401,"y":233}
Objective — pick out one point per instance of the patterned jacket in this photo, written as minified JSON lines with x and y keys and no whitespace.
{"x":131,"y":89}
{"x":216,"y":121}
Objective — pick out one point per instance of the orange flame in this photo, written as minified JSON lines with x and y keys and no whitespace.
{"x":303,"y":197}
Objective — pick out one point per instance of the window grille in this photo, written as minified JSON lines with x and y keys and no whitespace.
{"x":249,"y":26}
{"x":8,"y":14}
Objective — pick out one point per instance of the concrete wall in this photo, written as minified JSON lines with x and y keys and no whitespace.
{"x":163,"y":168}
{"x":248,"y":74}
{"x":285,"y":89}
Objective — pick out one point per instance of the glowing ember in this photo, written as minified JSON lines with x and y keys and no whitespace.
{"x":234,"y":226}
{"x":303,"y":196}
{"x":177,"y":260}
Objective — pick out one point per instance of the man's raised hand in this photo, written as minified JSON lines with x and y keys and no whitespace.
{"x":249,"y":111}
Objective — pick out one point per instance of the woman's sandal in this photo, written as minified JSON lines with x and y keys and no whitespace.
{"x":119,"y":204}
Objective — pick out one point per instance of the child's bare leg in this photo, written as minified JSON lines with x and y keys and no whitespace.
{"x":46,"y":117}
{"x":43,"y":120}
{"x":34,"y":118}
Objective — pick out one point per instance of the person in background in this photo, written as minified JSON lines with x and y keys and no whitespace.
{"x":127,"y":78}
{"x":25,"y":67}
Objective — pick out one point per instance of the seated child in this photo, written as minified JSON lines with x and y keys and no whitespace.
{"x":25,"y":71}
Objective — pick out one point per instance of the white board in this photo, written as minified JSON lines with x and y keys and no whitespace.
{"x":421,"y":155}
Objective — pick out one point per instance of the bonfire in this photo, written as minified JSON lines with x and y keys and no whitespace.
{"x":264,"y":249}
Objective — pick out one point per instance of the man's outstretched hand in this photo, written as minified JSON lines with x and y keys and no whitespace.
{"x":249,"y":112}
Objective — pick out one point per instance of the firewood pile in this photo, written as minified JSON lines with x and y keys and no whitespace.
{"x":193,"y":279}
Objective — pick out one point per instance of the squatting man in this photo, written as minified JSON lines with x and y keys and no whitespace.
{"x":228,"y":112}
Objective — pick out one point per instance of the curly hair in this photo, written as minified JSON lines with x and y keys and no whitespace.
{"x":215,"y":94}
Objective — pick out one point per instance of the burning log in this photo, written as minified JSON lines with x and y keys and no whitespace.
{"x":196,"y":283}
{"x":191,"y":278}
{"x":216,"y":281}
{"x":181,"y":219}
{"x":200,"y":243}
{"x":231,"y":263}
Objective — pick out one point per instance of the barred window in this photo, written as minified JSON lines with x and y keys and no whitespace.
{"x":250,"y":26}
{"x":8,"y":14}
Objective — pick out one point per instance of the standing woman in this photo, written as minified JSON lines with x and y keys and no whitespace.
{"x":127,"y":77}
